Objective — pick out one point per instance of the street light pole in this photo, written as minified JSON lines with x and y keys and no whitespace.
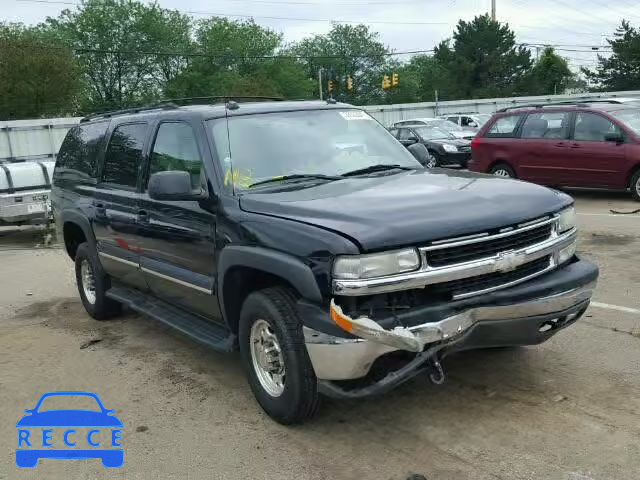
{"x":493,"y":10}
{"x":320,"y":81}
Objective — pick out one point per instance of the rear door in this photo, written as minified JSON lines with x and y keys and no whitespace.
{"x":543,"y":147}
{"x":178,"y":248}
{"x":115,"y":204}
{"x":591,"y":161}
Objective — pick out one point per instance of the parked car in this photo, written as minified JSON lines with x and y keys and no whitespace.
{"x":249,"y":226}
{"x":445,"y":148}
{"x":445,"y":125}
{"x":593,"y":145}
{"x":24,"y":192}
{"x":470,"y":122}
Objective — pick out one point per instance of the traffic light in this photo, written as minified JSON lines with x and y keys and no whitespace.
{"x":349,"y":83}
{"x":394,"y":80}
{"x":330,"y":86}
{"x":386,"y":82}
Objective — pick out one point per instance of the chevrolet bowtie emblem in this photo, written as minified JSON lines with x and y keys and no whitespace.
{"x":508,"y":261}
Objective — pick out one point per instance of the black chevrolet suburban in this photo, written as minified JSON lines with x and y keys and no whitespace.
{"x":306,"y":236}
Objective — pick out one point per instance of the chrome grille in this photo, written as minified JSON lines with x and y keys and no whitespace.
{"x":487,"y":246}
{"x":481,"y":283}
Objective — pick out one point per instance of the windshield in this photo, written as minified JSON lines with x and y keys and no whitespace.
{"x":446,"y":125}
{"x":630,"y":117}
{"x":320,"y":142}
{"x":432,"y":133}
{"x":482,"y":118}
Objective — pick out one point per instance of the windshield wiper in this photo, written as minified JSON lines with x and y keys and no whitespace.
{"x":300,"y":176}
{"x":376,"y":168}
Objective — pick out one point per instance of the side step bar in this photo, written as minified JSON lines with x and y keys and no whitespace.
{"x":210,"y":334}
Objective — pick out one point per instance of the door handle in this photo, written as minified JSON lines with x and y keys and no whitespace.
{"x":560,"y":144}
{"x":575,"y":145}
{"x":101,"y":209}
{"x":143,"y":215}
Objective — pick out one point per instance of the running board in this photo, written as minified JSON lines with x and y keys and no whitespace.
{"x":210,"y":334}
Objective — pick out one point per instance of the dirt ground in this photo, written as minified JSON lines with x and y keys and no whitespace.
{"x":568,"y":409}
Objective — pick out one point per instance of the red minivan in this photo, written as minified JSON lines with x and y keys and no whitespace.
{"x":594,"y":145}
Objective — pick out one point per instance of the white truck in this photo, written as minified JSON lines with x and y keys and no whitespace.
{"x":25,"y":189}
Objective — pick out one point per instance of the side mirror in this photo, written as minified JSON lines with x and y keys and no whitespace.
{"x":173,"y":185}
{"x":420,"y":153}
{"x":472,"y":124}
{"x":613,"y":137}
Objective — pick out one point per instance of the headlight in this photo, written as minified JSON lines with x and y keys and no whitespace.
{"x":566,"y":220}
{"x":376,"y":265}
{"x":450,"y":148}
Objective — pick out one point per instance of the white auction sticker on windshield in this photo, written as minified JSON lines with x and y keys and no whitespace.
{"x":355,"y":115}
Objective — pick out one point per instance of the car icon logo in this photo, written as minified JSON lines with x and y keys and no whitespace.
{"x":69,"y":433}
{"x":507,"y":261}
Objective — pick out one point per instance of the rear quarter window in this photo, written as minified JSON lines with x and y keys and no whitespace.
{"x":504,"y":127}
{"x":79,"y":150}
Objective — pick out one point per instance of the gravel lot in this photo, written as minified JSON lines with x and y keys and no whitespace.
{"x":568,"y":409}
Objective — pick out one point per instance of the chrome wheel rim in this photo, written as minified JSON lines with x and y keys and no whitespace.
{"x":88,"y":281}
{"x":267,"y":358}
{"x":638,"y":186}
{"x":431,"y":164}
{"x":501,"y":172}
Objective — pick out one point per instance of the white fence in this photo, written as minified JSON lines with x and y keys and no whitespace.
{"x":41,"y":139}
{"x":389,"y":114}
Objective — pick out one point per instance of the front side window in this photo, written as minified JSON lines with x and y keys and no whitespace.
{"x":593,"y":127}
{"x":405,"y":134}
{"x":504,"y":127}
{"x":546,"y":125}
{"x":124,"y":155}
{"x":253,"y":148}
{"x":630,"y":117}
{"x":176,"y":148}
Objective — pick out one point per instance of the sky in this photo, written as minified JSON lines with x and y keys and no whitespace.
{"x":403,"y":24}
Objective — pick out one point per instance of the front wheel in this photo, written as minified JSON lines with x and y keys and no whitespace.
{"x":434,"y":160}
{"x":275,"y":358}
{"x":502,"y":170}
{"x":634,"y":186}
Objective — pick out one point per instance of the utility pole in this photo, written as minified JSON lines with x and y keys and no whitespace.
{"x":493,"y":10}
{"x":320,"y":81}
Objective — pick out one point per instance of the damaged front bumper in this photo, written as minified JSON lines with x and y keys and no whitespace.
{"x":525,"y":321}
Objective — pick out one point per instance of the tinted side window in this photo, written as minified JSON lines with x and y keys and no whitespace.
{"x":80,"y":149}
{"x":404,"y":134}
{"x":176,"y":148}
{"x":453,"y":119}
{"x":124,"y":155}
{"x":546,"y":125}
{"x":504,"y":127}
{"x":592,"y":127}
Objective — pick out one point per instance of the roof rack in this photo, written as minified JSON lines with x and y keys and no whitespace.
{"x":173,"y":103}
{"x":577,"y":103}
{"x":124,"y":111}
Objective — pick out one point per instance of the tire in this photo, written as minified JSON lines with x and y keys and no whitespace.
{"x":97,"y":305}
{"x":436,"y":159}
{"x":502,"y":170}
{"x":634,"y":186}
{"x":297,"y":399}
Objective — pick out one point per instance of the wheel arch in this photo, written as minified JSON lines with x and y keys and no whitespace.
{"x":244,"y":269}
{"x":75,"y":230}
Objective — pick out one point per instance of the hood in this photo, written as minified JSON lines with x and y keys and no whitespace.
{"x":410,"y":208}
{"x":458,"y":142}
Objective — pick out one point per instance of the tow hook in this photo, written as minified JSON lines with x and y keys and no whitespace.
{"x":436,"y":373}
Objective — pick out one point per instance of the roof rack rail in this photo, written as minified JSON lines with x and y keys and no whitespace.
{"x":577,"y":103}
{"x":220,"y":99}
{"x":124,"y":111}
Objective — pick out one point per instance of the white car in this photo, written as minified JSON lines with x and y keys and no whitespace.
{"x":445,"y":125}
{"x":468,"y":121}
{"x":25,"y":188}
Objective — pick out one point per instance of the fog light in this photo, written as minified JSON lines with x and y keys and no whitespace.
{"x":567,"y":253}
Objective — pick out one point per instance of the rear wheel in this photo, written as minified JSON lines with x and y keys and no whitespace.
{"x":93,"y":284}
{"x":275,"y":357}
{"x":634,"y":186}
{"x":502,"y":170}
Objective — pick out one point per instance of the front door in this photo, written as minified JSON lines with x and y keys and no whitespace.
{"x":592,"y":161}
{"x":115,"y":205}
{"x":177,"y":256}
{"x":543,"y":147}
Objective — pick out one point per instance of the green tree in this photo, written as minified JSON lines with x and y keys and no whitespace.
{"x":483,"y":60}
{"x":549,"y":75}
{"x":620,"y":70}
{"x":432,"y":75}
{"x":347,"y":50}
{"x":38,"y":76}
{"x":120,"y":45}
{"x":239,"y":58}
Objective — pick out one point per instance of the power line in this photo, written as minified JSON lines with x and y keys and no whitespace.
{"x":268,"y":17}
{"x":266,"y":2}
